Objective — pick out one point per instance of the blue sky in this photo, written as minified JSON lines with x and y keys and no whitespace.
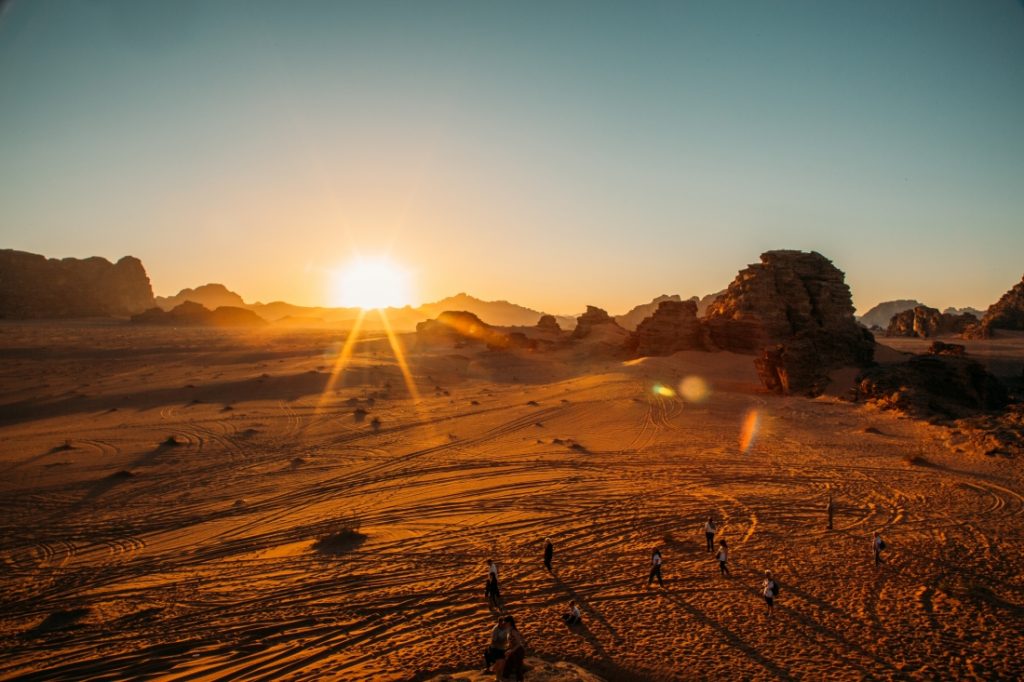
{"x":553,"y":154}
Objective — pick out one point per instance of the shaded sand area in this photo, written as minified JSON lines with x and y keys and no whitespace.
{"x":163,"y":493}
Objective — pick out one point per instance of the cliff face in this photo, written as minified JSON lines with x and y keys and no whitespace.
{"x":926,"y":322}
{"x":673,"y":327}
{"x":794,"y":310}
{"x":1006,"y":313}
{"x":32,"y":286}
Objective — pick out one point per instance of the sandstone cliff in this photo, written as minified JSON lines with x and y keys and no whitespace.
{"x":32,"y":286}
{"x":925,"y":322}
{"x":1006,"y":313}
{"x":794,"y":310}
{"x":673,"y":327}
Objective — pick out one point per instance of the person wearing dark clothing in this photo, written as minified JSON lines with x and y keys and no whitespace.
{"x":499,"y":642}
{"x":515,"y":653}
{"x":549,"y":552}
{"x":828,"y":510}
{"x":769,"y":589}
{"x":877,"y":544}
{"x":655,"y":568}
{"x":492,"y":592}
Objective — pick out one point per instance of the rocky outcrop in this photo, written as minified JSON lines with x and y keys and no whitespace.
{"x":191,"y":314}
{"x":1006,"y":313}
{"x":456,"y":328}
{"x":638,"y":314}
{"x":211,"y":296}
{"x":880,"y":315}
{"x":32,"y":286}
{"x":705,"y":302}
{"x":794,"y":311}
{"x":549,"y":324}
{"x":586,"y":322}
{"x":925,"y":322}
{"x":673,"y":327}
{"x":940,"y":348}
{"x":933,"y":386}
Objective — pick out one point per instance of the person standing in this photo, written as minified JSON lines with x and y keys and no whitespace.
{"x":492,"y":570}
{"x":499,"y":642}
{"x":769,"y":589}
{"x":828,"y":510}
{"x":723,"y":557}
{"x":655,"y":568}
{"x":549,"y":553}
{"x":709,"y":534}
{"x":877,"y":545}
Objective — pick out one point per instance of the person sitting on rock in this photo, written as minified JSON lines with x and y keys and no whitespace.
{"x":496,"y":650}
{"x":515,"y":654}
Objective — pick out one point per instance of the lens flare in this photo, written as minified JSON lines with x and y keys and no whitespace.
{"x":694,"y":389}
{"x":664,"y":391}
{"x":748,"y":433}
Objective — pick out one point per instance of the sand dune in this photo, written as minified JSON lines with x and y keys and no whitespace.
{"x":163,"y":492}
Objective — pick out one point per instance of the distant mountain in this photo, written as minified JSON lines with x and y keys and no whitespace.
{"x":641,"y":312}
{"x":33,"y":286}
{"x":211,"y":296}
{"x":495,"y":313}
{"x":192,"y":314}
{"x":881,"y":314}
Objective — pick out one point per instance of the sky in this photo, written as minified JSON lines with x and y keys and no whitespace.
{"x":555,"y":154}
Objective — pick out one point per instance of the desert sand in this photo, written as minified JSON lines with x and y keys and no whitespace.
{"x":166,"y":496}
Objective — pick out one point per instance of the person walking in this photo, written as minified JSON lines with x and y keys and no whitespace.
{"x":709,"y":534}
{"x":828,"y":510}
{"x":655,"y":568}
{"x":492,"y":592}
{"x":549,"y":553}
{"x":492,"y":569}
{"x":877,"y":545}
{"x":496,"y":650}
{"x":723,"y":557}
{"x":769,"y":589}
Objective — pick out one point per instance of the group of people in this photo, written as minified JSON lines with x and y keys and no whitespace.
{"x":507,"y":649}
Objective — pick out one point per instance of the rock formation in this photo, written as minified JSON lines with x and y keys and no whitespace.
{"x":548,"y":323}
{"x":456,"y":327}
{"x":190,"y":314}
{"x":794,"y":310}
{"x":638,"y":314}
{"x":211,"y":296}
{"x":1006,"y":313}
{"x":935,"y":386}
{"x":32,"y":286}
{"x":705,"y":302}
{"x":673,"y":327}
{"x":588,"y":320}
{"x":879,"y":315}
{"x":925,"y":322}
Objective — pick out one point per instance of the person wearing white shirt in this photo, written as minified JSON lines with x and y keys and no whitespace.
{"x":655,"y":568}
{"x":723,"y":557}
{"x":573,"y":616}
{"x":709,"y":534}
{"x":769,"y":588}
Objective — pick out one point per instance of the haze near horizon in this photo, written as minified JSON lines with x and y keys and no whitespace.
{"x":550,"y":156}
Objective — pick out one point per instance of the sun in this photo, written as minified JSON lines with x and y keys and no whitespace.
{"x":370,"y":283}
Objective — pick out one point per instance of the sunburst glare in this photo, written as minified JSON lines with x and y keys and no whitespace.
{"x":370,"y":283}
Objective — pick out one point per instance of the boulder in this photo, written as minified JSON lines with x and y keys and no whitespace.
{"x":794,"y":311}
{"x":1006,"y":313}
{"x":673,"y":327}
{"x":933,"y":386}
{"x":940,"y":348}
{"x":32,"y":286}
{"x":925,"y":322}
